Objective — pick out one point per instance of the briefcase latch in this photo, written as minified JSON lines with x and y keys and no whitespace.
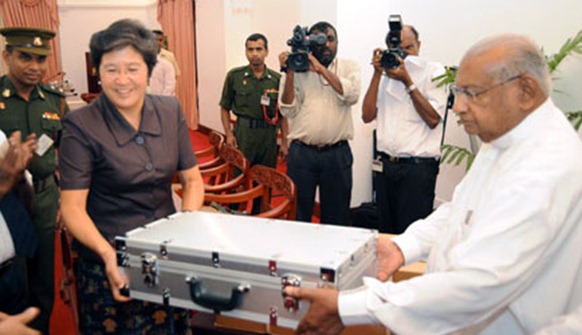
{"x":149,"y":269}
{"x":290,"y":303}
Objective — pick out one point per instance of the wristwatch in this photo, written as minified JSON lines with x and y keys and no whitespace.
{"x":410,"y":88}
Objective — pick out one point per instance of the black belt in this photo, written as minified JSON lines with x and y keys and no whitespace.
{"x":408,"y":160}
{"x":42,"y":184}
{"x":322,"y":147}
{"x":6,"y":264}
{"x":252,"y":123}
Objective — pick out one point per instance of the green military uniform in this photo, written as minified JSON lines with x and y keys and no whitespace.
{"x":40,"y":115}
{"x":250,"y":98}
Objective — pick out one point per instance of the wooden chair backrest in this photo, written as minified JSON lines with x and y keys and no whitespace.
{"x":229,"y":176}
{"x":277,"y":184}
{"x":216,"y":140}
{"x":269,"y":184}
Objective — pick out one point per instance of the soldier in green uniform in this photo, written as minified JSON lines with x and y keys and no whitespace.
{"x":29,"y":106}
{"x":251,"y":93}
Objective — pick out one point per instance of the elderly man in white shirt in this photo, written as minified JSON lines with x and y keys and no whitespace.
{"x":503,"y":257}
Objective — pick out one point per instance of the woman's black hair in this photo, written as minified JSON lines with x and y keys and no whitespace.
{"x":123,"y":33}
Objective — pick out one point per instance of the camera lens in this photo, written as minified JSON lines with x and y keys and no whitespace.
{"x":389,"y":60}
{"x":298,"y":62}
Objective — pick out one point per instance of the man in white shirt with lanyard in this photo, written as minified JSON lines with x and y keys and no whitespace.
{"x":408,"y":107}
{"x":503,"y":257}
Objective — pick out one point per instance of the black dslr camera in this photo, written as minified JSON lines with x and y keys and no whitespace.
{"x":390,"y":57}
{"x":301,"y":43}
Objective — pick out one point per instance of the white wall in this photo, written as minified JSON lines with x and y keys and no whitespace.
{"x":211,"y":58}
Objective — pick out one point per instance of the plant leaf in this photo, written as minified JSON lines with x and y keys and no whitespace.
{"x":446,"y":78}
{"x":575,"y":119}
{"x":446,"y":151}
{"x":462,"y":156}
{"x":470,"y":160}
{"x":456,"y":153}
{"x":571,"y":46}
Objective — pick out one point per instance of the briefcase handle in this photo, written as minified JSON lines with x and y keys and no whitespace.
{"x":218,"y":303}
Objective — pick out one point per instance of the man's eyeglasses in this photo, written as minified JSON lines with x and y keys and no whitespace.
{"x":473,"y":95}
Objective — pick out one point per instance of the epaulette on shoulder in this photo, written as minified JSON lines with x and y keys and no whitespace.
{"x":52,"y":89}
{"x":238,"y":69}
{"x":274,"y":73}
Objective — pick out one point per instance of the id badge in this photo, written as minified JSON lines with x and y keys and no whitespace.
{"x":43,"y":144}
{"x":265,"y":100}
{"x":377,"y":165}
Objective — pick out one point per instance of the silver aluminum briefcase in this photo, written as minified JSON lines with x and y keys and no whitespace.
{"x":238,"y":265}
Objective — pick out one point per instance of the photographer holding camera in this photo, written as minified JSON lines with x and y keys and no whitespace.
{"x":317,"y":104}
{"x":408,"y":108}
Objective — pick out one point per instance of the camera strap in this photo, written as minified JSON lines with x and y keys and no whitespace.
{"x":450,"y":103}
{"x":275,"y":119}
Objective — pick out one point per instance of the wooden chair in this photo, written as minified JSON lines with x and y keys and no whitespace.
{"x":229,"y":176}
{"x":270,"y":184}
{"x":216,"y":140}
{"x":89,"y":97}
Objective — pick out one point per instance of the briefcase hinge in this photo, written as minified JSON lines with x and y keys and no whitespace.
{"x":164,"y":250}
{"x":120,"y":244}
{"x":166,"y":296}
{"x":273,"y":315}
{"x":121,"y":252}
{"x":273,"y":268}
{"x":327,"y":275}
{"x":122,"y":259}
{"x":291,"y":304}
{"x":149,"y":269}
{"x":215,"y":259}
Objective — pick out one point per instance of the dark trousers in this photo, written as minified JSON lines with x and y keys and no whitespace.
{"x":13,"y":297}
{"x":404,"y":193}
{"x":258,"y":144}
{"x":330,"y":168}
{"x":260,"y":147}
{"x":41,"y":266}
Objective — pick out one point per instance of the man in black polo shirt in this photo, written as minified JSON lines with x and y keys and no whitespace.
{"x":251,"y":93}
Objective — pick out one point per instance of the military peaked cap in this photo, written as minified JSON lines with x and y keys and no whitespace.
{"x":31,"y":40}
